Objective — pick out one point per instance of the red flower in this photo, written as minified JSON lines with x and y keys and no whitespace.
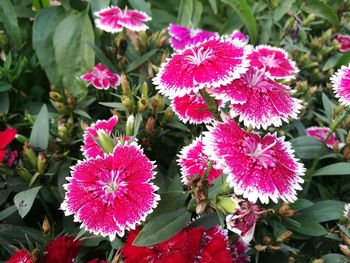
{"x":6,"y":137}
{"x":188,"y":246}
{"x":21,"y":256}
{"x":62,"y":250}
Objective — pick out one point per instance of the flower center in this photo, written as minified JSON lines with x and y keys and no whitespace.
{"x":269,"y":60}
{"x":199,"y":56}
{"x":259,"y":153}
{"x":111,"y":185}
{"x":257,"y":80}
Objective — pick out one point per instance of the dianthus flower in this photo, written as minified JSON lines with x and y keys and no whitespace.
{"x":6,"y":137}
{"x":113,"y":19}
{"x":62,"y":250}
{"x":21,"y":256}
{"x":341,"y":84}
{"x":101,"y":77}
{"x":182,"y":36}
{"x":344,"y":41}
{"x":320,"y":133}
{"x":238,"y":35}
{"x":257,"y":168}
{"x":111,"y":193}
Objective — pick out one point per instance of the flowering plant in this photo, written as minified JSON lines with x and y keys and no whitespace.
{"x":186,"y":131}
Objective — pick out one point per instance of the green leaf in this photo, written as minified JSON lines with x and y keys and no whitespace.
{"x":141,"y":5}
{"x":170,"y":201}
{"x":82,"y":113}
{"x":207,"y":221}
{"x":343,"y":60}
{"x":4,"y":194}
{"x":306,"y":227}
{"x":4,"y":103}
{"x":306,"y":147}
{"x":214,"y":6}
{"x":323,"y":211}
{"x":97,"y":5}
{"x":301,"y":204}
{"x":178,"y":125}
{"x":72,"y":52}
{"x":197,"y":12}
{"x":116,"y":105}
{"x":282,"y":9}
{"x":24,"y":200}
{"x":332,"y":61}
{"x":320,"y":9}
{"x":185,"y":13}
{"x":244,"y":11}
{"x":335,"y":258}
{"x":7,"y":212}
{"x":9,"y":19}
{"x":138,"y":62}
{"x":341,"y":168}
{"x":162,"y":227}
{"x":328,"y":106}
{"x":45,"y":23}
{"x":41,"y":4}
{"x":105,"y":61}
{"x":4,"y":86}
{"x":39,"y":137}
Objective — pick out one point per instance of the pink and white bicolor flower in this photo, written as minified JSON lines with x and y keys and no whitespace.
{"x":182,"y":36}
{"x":341,"y":84}
{"x":113,"y":19}
{"x":212,"y":62}
{"x":258,"y":100}
{"x":101,"y":77}
{"x":193,"y":161}
{"x":344,"y":41}
{"x":274,"y":60}
{"x":243,"y":220}
{"x":236,"y":34}
{"x":258,"y":168}
{"x":320,"y":133}
{"x":113,"y":193}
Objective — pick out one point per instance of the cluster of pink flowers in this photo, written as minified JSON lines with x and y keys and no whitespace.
{"x":111,"y":190}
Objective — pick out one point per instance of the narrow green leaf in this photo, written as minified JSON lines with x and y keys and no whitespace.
{"x":306,"y":226}
{"x":185,"y":11}
{"x":4,"y":194}
{"x":328,"y":107}
{"x":244,"y":11}
{"x":306,"y":147}
{"x":343,"y":60}
{"x":170,"y":201}
{"x":4,"y":86}
{"x":41,"y":4}
{"x":7,"y":212}
{"x":207,"y":221}
{"x":214,"y":6}
{"x":138,"y":62}
{"x":9,"y":19}
{"x":82,"y":113}
{"x":320,"y":9}
{"x":341,"y":168}
{"x":332,"y":61}
{"x":4,"y":103}
{"x":178,"y":125}
{"x":282,"y":9}
{"x":24,"y":200}
{"x":105,"y":61}
{"x":116,"y":105}
{"x":197,"y":12}
{"x":335,"y":258}
{"x":141,"y":5}
{"x":97,"y":5}
{"x":162,"y":227}
{"x":323,"y":211}
{"x":301,"y":204}
{"x":39,"y":137}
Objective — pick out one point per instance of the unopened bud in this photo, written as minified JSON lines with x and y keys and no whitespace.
{"x":200,"y":208}
{"x":144,"y":90}
{"x":30,"y":155}
{"x":60,"y":107}
{"x":42,"y":162}
{"x":129,"y":131}
{"x":285,"y":210}
{"x":127,"y":102}
{"x":168,"y":115}
{"x":55,"y":96}
{"x":36,"y":255}
{"x":105,"y":141}
{"x":124,"y":84}
{"x":226,"y":204}
{"x":150,"y":125}
{"x":21,"y":138}
{"x":24,"y":174}
{"x":142,"y":105}
{"x":284,"y":236}
{"x":158,"y":103}
{"x":46,"y":226}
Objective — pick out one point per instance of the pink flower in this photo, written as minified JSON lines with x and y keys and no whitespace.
{"x":213,"y":63}
{"x":182,"y":36}
{"x":238,"y":35}
{"x":101,"y":77}
{"x":258,"y":100}
{"x":344,"y":42}
{"x":112,"y":193}
{"x":12,"y":159}
{"x":63,"y":249}
{"x":243,"y":220}
{"x":274,"y":60}
{"x":341,"y":84}
{"x":90,"y":148}
{"x":257,"y":167}
{"x":6,"y":137}
{"x":239,"y":251}
{"x":113,"y":19}
{"x":193,"y":161}
{"x":320,"y":133}
{"x":192,"y":108}
{"x":21,"y":256}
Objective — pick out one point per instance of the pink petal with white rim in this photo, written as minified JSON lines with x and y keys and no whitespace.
{"x":320,"y":133}
{"x":101,"y":77}
{"x":192,"y":108}
{"x":139,"y":15}
{"x":275,"y":61}
{"x":344,"y":41}
{"x":213,"y":63}
{"x":193,"y":161}
{"x":341,"y":84}
{"x":270,"y":170}
{"x":236,"y":34}
{"x":110,"y":194}
{"x":90,"y":148}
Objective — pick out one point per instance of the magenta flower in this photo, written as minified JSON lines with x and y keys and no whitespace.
{"x":101,"y":77}
{"x":320,"y":133}
{"x":257,"y":168}
{"x":344,"y":41}
{"x":239,"y":251}
{"x":238,"y":35}
{"x":182,"y":36}
{"x":258,"y":100}
{"x":192,"y":108}
{"x":112,"y":193}
{"x":213,"y":63}
{"x":243,"y":220}
{"x":274,"y":60}
{"x":341,"y":84}
{"x":113,"y":19}
{"x":90,"y":148}
{"x":193,"y":161}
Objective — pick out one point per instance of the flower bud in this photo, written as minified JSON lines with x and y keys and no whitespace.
{"x":30,"y":155}
{"x":200,"y":208}
{"x":144,"y":90}
{"x":226,"y":204}
{"x":127,"y":102}
{"x":42,"y":162}
{"x":284,"y":236}
{"x":46,"y":226}
{"x":55,"y":96}
{"x":130,"y":125}
{"x":105,"y":141}
{"x":142,"y":105}
{"x":150,"y":125}
{"x":168,"y":115}
{"x":158,"y":103}
{"x":124,"y":84}
{"x":21,"y":138}
{"x":24,"y":173}
{"x":61,"y":107}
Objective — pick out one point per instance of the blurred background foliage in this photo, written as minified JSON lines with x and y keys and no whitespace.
{"x":46,"y":45}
